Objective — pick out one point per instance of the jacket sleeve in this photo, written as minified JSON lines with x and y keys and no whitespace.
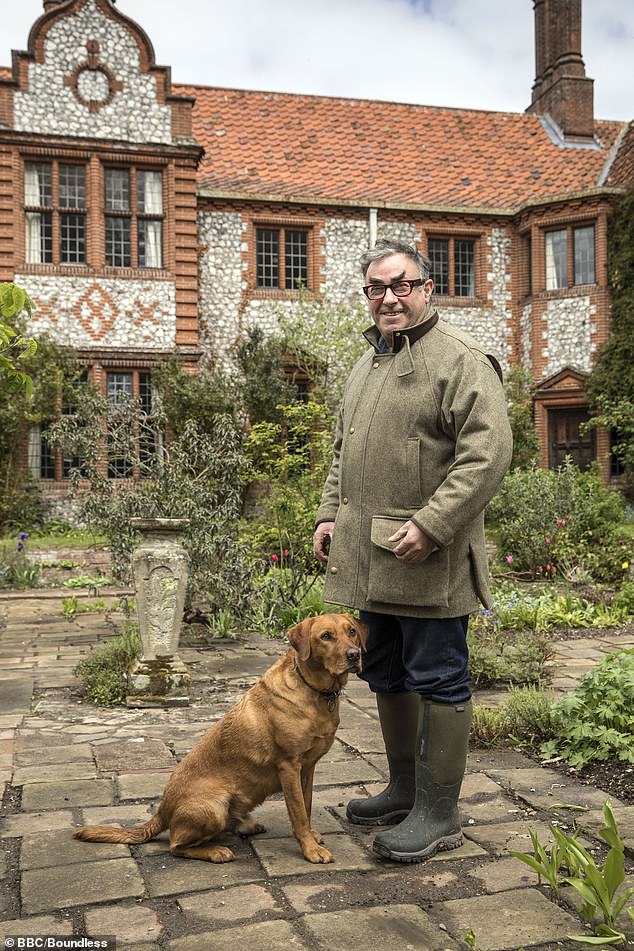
{"x":472,"y":408}
{"x":329,"y":505}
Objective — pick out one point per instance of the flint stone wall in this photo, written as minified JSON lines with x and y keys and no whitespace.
{"x":567,"y":334}
{"x":89,"y":313}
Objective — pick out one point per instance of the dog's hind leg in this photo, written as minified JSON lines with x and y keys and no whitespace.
{"x":194,"y":824}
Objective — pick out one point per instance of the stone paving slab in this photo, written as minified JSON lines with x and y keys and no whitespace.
{"x":147,"y":784}
{"x":397,"y":927}
{"x":44,"y":889}
{"x":80,"y":753}
{"x":49,"y":774}
{"x":27,"y":823}
{"x":273,"y":814}
{"x":524,"y":918}
{"x":80,"y":792}
{"x":47,"y":849}
{"x":282,"y":857}
{"x":141,"y":753}
{"x":267,"y":936}
{"x":593,"y":821}
{"x":501,"y":837}
{"x":16,"y":693}
{"x":229,"y":904}
{"x":503,"y":875}
{"x":36,"y":926}
{"x":542,"y":788}
{"x":130,"y":925}
{"x":166,"y":875}
{"x":130,"y":815}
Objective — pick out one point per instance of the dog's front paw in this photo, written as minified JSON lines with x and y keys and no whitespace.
{"x":318,"y":855}
{"x":317,"y":836}
{"x":248,"y":827}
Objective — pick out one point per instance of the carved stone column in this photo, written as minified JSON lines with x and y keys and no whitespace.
{"x":160,"y":568}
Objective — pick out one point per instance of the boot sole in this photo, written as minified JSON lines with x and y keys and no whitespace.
{"x":386,"y":820}
{"x":446,"y":844}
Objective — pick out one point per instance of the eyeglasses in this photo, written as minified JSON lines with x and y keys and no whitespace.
{"x":398,"y":288}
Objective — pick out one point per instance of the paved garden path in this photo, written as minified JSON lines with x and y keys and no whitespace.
{"x":64,"y":763}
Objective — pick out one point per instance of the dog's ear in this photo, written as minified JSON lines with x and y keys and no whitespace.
{"x":361,"y":628}
{"x":299,"y":637}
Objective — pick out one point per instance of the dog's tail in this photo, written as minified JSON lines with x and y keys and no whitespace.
{"x":131,"y":836}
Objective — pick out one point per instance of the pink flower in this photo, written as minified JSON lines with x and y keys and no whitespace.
{"x":548,"y":539}
{"x":561,"y":522}
{"x":554,"y":570}
{"x":275,"y":557}
{"x":286,"y":553}
{"x":509,"y":558}
{"x":547,"y":567}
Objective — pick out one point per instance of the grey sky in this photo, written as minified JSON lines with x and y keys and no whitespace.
{"x":471,"y":53}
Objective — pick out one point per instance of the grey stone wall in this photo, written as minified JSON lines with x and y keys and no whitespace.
{"x":50,"y":106}
{"x":91,"y":313}
{"x":567,"y":331}
{"x":221,"y":284}
{"x":526,"y":337}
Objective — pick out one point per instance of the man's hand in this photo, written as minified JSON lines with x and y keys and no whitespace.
{"x":413,"y":544}
{"x":323,"y":532}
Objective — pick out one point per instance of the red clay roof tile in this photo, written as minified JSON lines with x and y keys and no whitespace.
{"x":352,"y":150}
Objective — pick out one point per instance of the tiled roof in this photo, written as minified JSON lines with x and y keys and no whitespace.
{"x":365,"y":151}
{"x":622,"y":169}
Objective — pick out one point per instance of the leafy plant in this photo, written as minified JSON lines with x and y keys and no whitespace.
{"x":554,"y":522}
{"x":73,"y":606}
{"x":222,"y":625}
{"x":595,"y":722}
{"x":103,"y":673}
{"x":597,"y":885}
{"x":524,"y":719}
{"x":519,"y":401}
{"x":87,"y":581}
{"x":14,"y":348}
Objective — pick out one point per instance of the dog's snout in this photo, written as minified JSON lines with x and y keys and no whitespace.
{"x":353,"y":655}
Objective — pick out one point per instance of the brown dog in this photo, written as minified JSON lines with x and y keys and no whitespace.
{"x":269,"y":741}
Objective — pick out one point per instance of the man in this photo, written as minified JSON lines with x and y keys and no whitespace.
{"x":422,"y":443}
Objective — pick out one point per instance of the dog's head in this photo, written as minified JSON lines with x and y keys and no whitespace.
{"x":331,"y":641}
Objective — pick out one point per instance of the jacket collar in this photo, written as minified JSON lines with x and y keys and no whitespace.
{"x":374,"y":338}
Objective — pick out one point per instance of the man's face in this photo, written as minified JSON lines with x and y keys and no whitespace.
{"x":396,"y":313}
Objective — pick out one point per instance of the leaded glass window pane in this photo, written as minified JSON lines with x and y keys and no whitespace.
{"x":438,"y":250}
{"x":38,"y":185}
{"x":117,"y":182}
{"x":118,"y":248}
{"x":72,"y":239}
{"x":296,"y":259}
{"x":464,"y":269}
{"x":150,"y":243}
{"x":583,"y":239}
{"x":72,"y":186}
{"x":556,"y":260}
{"x":268,"y":257}
{"x":149,"y":192}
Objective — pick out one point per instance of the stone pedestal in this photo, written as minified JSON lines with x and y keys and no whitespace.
{"x":160,"y":566}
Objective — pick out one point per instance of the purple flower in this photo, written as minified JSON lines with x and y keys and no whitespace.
{"x":20,"y":546}
{"x":23,"y":536}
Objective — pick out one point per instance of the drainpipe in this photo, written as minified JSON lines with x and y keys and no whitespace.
{"x":373,"y":224}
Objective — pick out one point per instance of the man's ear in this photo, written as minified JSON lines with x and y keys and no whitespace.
{"x":299,"y":637}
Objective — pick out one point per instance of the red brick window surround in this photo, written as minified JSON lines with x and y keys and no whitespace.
{"x":133,"y":209}
{"x":453,"y":265}
{"x":55,"y":212}
{"x":570,"y":258}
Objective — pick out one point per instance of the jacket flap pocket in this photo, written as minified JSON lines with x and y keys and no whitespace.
{"x":383,"y":527}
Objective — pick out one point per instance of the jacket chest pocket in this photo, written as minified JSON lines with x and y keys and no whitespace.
{"x":391,"y":581}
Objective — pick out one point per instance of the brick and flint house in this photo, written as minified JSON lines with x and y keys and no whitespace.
{"x":144,"y":216}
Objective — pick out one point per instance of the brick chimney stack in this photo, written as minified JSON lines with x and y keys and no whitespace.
{"x":562,"y":90}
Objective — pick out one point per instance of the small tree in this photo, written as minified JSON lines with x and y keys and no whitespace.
{"x":611,"y":383}
{"x":14,"y":348}
{"x":520,"y":409}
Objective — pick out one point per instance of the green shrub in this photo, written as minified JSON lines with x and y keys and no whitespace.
{"x":519,"y":401}
{"x":103,"y":673}
{"x":594,"y":723}
{"x":553,"y":522}
{"x":524,"y":719}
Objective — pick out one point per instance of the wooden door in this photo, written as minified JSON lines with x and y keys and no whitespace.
{"x":565,"y":438}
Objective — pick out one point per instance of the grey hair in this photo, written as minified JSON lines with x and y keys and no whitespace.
{"x":385,"y":247}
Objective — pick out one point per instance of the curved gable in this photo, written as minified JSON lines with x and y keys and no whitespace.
{"x":90,"y":71}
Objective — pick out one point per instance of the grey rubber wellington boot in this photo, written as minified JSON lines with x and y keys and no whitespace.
{"x":433,"y":825}
{"x":399,"y":714}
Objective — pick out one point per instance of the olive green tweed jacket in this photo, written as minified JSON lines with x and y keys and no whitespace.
{"x":422,"y":434}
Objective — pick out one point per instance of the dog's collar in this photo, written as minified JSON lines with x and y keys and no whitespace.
{"x":331,"y":696}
